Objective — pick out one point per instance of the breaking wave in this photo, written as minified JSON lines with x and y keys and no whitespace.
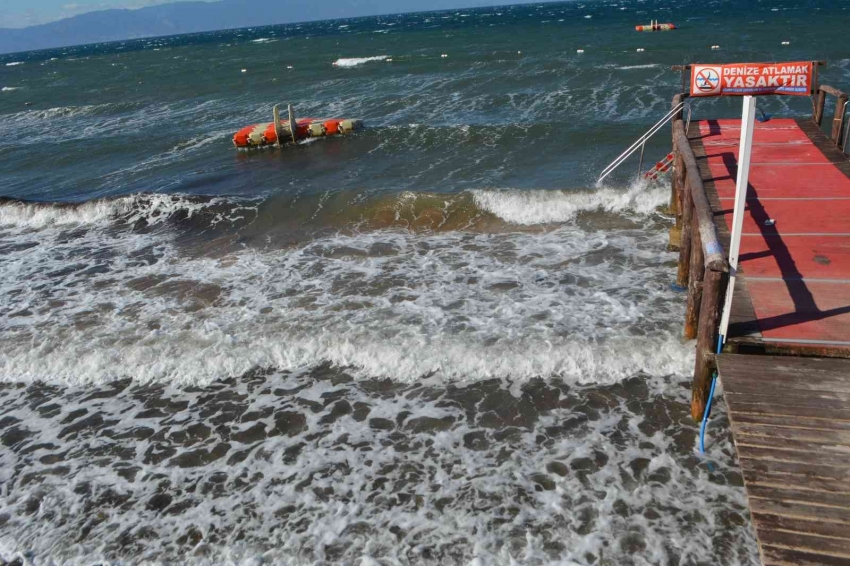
{"x":184,"y":290}
{"x":478,"y":209}
{"x":540,"y":207}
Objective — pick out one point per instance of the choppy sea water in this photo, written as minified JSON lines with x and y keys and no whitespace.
{"x":436,"y":341}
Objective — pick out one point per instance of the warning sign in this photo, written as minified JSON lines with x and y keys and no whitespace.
{"x":752,"y":79}
{"x":706,"y":81}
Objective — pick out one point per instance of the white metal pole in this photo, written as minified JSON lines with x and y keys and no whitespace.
{"x":744,"y":152}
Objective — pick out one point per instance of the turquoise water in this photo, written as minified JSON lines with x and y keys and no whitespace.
{"x":435,"y":341}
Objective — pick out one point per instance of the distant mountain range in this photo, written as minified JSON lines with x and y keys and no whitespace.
{"x":192,"y":17}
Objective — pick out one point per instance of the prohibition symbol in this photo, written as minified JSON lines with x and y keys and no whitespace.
{"x":707,"y":80}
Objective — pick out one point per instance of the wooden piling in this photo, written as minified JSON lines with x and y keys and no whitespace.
{"x":838,"y":120}
{"x":674,"y":242}
{"x":820,"y":100}
{"x":685,"y":240}
{"x":695,"y":283}
{"x":709,"y":317}
{"x":702,"y":264}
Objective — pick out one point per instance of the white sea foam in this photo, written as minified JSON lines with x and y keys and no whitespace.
{"x":9,"y":88}
{"x":357,"y":61}
{"x":588,"y":306}
{"x":631,"y":67}
{"x":14,"y":63}
{"x":313,"y":469}
{"x":153,"y":209}
{"x":543,"y":207}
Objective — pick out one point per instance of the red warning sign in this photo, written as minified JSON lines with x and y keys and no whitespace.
{"x":739,"y":79}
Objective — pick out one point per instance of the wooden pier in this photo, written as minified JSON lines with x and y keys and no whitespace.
{"x":784,"y":369}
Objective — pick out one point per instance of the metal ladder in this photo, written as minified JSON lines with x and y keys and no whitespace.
{"x":641,"y":142}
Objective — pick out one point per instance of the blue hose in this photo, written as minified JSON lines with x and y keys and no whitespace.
{"x":706,"y":415}
{"x":707,"y":412}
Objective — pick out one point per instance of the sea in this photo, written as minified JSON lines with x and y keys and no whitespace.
{"x":436,"y":341}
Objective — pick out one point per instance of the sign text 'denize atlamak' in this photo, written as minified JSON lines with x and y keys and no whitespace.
{"x":739,"y":79}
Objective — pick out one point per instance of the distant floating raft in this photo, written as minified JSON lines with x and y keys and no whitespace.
{"x":279,"y":133}
{"x":655,"y":26}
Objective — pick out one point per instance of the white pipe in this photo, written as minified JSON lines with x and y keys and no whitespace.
{"x":745,"y":149}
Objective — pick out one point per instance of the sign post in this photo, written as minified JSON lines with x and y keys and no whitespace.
{"x":744,"y":152}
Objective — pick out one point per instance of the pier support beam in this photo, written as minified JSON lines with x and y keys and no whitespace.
{"x":838,"y":121}
{"x":713,"y":288}
{"x":820,"y":101}
{"x":685,"y":240}
{"x":695,"y":277}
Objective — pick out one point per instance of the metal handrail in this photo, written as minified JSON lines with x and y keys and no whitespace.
{"x":641,"y":142}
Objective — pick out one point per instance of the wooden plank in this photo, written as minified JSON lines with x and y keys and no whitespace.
{"x":793,"y":482}
{"x":805,"y":542}
{"x":757,"y":384}
{"x":742,"y":365}
{"x":816,"y":373}
{"x":823,"y":457}
{"x":799,"y":511}
{"x":747,"y":431}
{"x":792,"y":422}
{"x":798,"y":495}
{"x":789,"y":411}
{"x":793,"y":469}
{"x":779,"y":397}
{"x":778,"y":556}
{"x":779,"y":524}
{"x":803,"y":448}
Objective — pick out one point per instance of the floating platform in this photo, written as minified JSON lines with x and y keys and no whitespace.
{"x":655,"y":26}
{"x":292,"y":131}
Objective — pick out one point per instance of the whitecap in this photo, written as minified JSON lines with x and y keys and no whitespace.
{"x":357,"y":61}
{"x":544,"y":207}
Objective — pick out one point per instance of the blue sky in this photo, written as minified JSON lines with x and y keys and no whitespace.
{"x":22,"y":13}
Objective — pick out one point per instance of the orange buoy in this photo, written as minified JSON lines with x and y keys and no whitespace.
{"x":332,"y":127}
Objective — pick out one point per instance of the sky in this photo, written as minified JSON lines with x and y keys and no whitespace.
{"x":23,"y":13}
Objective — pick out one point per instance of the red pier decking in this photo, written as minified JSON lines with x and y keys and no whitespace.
{"x":795,"y":248}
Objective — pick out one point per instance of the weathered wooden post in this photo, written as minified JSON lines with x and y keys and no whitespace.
{"x":695,"y":282}
{"x":838,"y":121}
{"x":690,"y":179}
{"x":676,"y":178}
{"x":713,"y":283}
{"x":820,"y":100}
{"x":685,"y":243}
{"x":709,"y":316}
